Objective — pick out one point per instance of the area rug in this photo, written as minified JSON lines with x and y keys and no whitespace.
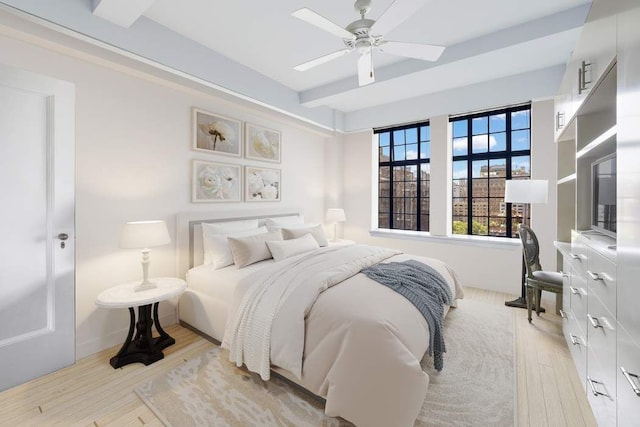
{"x":476,"y":387}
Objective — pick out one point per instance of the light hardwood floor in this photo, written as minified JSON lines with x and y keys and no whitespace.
{"x":91,"y":393}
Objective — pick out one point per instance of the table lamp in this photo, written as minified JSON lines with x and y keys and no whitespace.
{"x":144,"y":235}
{"x":527,"y":191}
{"x":335,"y":216}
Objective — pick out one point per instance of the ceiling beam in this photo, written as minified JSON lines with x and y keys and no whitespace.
{"x":529,"y":86}
{"x":121,"y":12}
{"x":532,"y":30}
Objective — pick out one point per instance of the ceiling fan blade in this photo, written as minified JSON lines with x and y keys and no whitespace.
{"x":321,"y":22}
{"x":395,"y":15}
{"x":365,"y":69}
{"x":427,"y":52}
{"x":321,"y":60}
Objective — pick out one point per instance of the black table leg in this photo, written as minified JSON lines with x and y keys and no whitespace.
{"x":144,"y":348}
{"x":164,"y":340}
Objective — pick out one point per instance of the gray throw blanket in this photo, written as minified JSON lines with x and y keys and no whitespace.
{"x":426,"y":289}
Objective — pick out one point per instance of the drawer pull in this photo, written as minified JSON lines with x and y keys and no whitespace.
{"x":594,"y":321}
{"x":594,"y":276}
{"x":594,"y":390}
{"x":628,"y":376}
{"x":574,"y":339}
{"x":563,"y":314}
{"x":574,"y":290}
{"x":575,"y":256}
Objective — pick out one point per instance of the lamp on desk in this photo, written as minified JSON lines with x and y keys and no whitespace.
{"x":526,"y":191}
{"x":335,"y":216}
{"x":144,"y":235}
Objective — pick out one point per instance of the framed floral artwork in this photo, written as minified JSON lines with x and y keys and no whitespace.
{"x":262,"y":184}
{"x":216,"y":182}
{"x":217,"y":134}
{"x":262,"y":143}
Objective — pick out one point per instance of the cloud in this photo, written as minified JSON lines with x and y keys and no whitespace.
{"x":479,"y":142}
{"x":459,"y":174}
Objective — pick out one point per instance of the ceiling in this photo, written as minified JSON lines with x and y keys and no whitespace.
{"x":498,"y":52}
{"x":479,"y":37}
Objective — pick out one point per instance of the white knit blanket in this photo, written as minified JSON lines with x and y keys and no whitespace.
{"x":267,"y":318}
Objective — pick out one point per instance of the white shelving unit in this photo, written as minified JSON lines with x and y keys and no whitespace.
{"x":597,"y":115}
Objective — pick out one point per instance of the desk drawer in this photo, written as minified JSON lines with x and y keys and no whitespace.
{"x":601,"y":278}
{"x":577,"y":342}
{"x":578,"y":256}
{"x":601,"y":394}
{"x":601,"y":336}
{"x":627,"y":396}
{"x":578,"y":296}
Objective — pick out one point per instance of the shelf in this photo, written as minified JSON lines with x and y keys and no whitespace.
{"x":601,"y":98}
{"x":568,"y":133}
{"x":569,"y":178}
{"x":603,"y":144}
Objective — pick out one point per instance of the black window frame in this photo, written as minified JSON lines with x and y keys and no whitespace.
{"x":391,"y":164}
{"x":508,"y":154}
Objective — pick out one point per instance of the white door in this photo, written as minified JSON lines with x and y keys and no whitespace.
{"x":37,"y":274}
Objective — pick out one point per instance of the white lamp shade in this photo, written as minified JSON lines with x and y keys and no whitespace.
{"x":335,"y":215}
{"x":144,"y":234}
{"x":526,"y":191}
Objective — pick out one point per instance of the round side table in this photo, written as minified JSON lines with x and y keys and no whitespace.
{"x":144,"y":347}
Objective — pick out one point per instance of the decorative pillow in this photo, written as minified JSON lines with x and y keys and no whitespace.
{"x":216,"y":245}
{"x":248,"y":250}
{"x":284,"y":221}
{"x":288,"y":248}
{"x":316,"y":231}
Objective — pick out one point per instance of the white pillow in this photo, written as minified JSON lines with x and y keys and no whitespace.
{"x":229,"y":226}
{"x":277,"y":223}
{"x":216,"y":246}
{"x":317,"y":231}
{"x":249,"y":250}
{"x":288,"y":248}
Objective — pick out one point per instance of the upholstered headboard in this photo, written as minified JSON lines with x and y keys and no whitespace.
{"x":189,"y":233}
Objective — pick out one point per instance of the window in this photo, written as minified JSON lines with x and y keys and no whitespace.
{"x":488,"y":149}
{"x":403,"y":177}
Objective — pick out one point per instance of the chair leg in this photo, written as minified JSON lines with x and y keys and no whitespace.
{"x":538,"y":298}
{"x":558,"y":302}
{"x":529,"y":301}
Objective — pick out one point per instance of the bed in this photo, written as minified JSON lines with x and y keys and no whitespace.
{"x":362,"y":342}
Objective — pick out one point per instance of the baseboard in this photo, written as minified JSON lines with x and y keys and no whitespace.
{"x":115,"y":338}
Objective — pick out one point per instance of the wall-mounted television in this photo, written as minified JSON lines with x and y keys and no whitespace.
{"x":603,"y":195}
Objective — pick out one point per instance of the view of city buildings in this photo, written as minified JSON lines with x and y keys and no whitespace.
{"x":488,"y":148}
{"x":488,"y":209}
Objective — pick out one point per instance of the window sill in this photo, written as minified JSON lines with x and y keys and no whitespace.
{"x":456,"y":239}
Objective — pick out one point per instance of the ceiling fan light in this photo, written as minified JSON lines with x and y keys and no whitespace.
{"x":363,"y":46}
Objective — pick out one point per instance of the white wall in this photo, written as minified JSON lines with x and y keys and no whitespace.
{"x":544,"y":166}
{"x":479,"y":264}
{"x":133,"y":162}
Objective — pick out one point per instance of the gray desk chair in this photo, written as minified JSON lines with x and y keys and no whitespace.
{"x":537,"y":279}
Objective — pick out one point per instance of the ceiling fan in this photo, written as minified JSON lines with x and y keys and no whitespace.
{"x":364,"y":34}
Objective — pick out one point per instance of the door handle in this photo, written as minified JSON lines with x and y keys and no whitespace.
{"x":63,"y":237}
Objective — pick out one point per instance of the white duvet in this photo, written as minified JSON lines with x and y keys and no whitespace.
{"x":343,"y":336}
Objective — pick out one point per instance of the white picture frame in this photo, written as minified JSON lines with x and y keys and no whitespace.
{"x":215,"y":182}
{"x":216,"y":134}
{"x":262,"y":184}
{"x":262,"y":143}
